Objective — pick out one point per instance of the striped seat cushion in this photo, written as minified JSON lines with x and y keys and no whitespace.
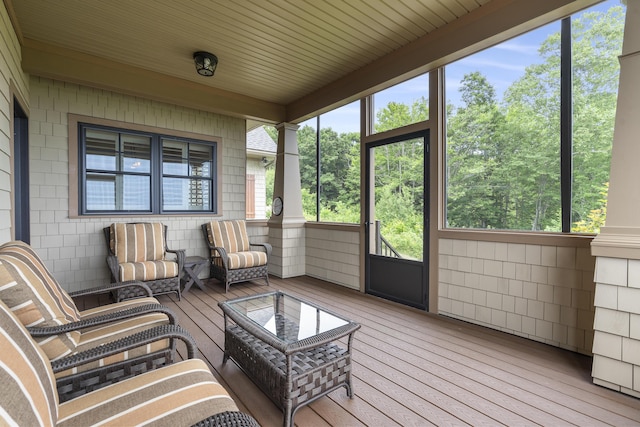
{"x":179,"y":394}
{"x":109,"y":335}
{"x":31,"y":292}
{"x":97,"y":335}
{"x":137,"y":242}
{"x":28,"y":396}
{"x":230,"y":235}
{"x":147,"y":270}
{"x":246,"y":259}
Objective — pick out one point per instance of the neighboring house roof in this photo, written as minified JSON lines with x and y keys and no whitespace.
{"x":259,"y":142}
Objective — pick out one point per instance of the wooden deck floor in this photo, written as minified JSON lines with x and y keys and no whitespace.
{"x":415,"y":369}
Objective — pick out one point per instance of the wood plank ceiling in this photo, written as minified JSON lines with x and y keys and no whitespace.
{"x":280,"y":60}
{"x":277,"y":51}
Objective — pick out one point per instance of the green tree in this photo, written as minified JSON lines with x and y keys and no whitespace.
{"x":478,"y":187}
{"x":503,"y":162}
{"x":596,"y":218}
{"x":306,"y":136}
{"x":339,"y":174}
{"x":335,"y":162}
{"x":597,"y":43}
{"x":270,"y":174}
{"x":395,"y":115}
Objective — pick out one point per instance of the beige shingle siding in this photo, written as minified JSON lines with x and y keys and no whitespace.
{"x":74,"y":248}
{"x":334,"y":255}
{"x":616,"y":347}
{"x":541,"y":292}
{"x":12,"y":79}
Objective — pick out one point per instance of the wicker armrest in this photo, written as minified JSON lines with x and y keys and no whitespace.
{"x":180,"y":256}
{"x":228,"y":419}
{"x":36,"y":331}
{"x":111,"y":287}
{"x":267,"y":247}
{"x":223,"y":255}
{"x":124,"y":344}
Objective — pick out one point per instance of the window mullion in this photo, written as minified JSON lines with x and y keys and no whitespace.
{"x":156,"y":174}
{"x":318,"y":186}
{"x":566,"y":125}
{"x":119,"y":177}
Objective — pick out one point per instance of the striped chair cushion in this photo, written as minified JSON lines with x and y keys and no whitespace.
{"x":230,"y":235}
{"x":137,"y":242}
{"x":28,"y":396}
{"x":148,"y":270}
{"x":246,"y":259}
{"x":95,"y":336}
{"x":31,"y":292}
{"x":179,"y":394}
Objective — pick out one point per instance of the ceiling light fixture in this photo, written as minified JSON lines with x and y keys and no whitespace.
{"x":206,"y":63}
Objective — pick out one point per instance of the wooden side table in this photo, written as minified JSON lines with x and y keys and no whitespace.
{"x":193,"y":265}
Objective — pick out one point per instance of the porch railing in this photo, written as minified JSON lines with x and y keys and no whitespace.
{"x":383,"y":247}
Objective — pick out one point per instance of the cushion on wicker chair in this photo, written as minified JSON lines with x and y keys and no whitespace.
{"x":95,"y":336}
{"x":140,"y":249}
{"x":230,"y":235}
{"x":27,"y":287}
{"x":128,"y":327}
{"x":179,"y":394}
{"x":246,"y":259}
{"x":31,"y":292}
{"x":148,"y":270}
{"x":28,"y":394}
{"x":138,"y":242}
{"x":232,"y":259}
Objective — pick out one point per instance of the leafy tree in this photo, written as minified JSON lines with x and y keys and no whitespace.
{"x":478,"y":187}
{"x":503,"y":165}
{"x":395,"y":115}
{"x":335,"y":162}
{"x":596,"y":218}
{"x":306,"y":136}
{"x":270,"y":175}
{"x":339,"y":174}
{"x":597,"y":41}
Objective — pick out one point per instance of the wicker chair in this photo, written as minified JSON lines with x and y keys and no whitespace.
{"x":181,"y":394}
{"x":151,"y":266}
{"x":232,"y":259}
{"x":29,"y":289}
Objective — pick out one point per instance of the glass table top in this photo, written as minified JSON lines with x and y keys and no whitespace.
{"x":287,"y":318}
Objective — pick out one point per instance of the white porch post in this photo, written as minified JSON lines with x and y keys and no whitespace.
{"x":616,"y":345}
{"x":286,"y":231}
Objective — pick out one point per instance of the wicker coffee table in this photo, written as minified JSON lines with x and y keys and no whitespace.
{"x":286,"y":346}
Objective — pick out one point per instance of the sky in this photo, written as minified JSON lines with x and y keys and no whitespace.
{"x":502,"y":65}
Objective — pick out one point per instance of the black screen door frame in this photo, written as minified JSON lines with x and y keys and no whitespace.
{"x":400,"y":280}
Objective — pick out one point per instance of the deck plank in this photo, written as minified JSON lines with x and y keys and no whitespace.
{"x":411,"y":368}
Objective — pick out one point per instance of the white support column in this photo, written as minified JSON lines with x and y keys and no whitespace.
{"x":616,"y":345}
{"x":286,"y":231}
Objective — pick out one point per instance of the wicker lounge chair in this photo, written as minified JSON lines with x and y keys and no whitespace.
{"x":181,"y":394}
{"x":28,"y":288}
{"x":150,"y":265}
{"x":232,"y":259}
